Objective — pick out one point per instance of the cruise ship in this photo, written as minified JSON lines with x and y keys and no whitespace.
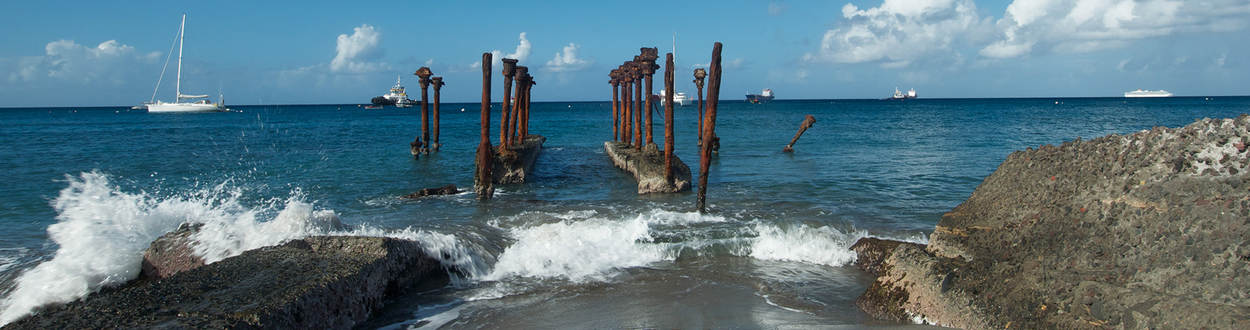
{"x":1148,"y":93}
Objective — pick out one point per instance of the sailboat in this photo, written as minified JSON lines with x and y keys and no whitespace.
{"x":181,"y":101}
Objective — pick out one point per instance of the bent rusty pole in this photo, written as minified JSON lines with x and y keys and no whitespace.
{"x":668,"y":119}
{"x":438,"y":85}
{"x":705,"y":155}
{"x":699,"y":74}
{"x":509,"y":68}
{"x":807,"y":123}
{"x":424,"y":73}
{"x":482,"y":184}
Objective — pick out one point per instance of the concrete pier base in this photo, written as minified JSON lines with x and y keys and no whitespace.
{"x":647,"y":167}
{"x":514,"y":165}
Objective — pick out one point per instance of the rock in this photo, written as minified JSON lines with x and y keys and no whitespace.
{"x":871,"y":252}
{"x":648,"y":168}
{"x":171,"y":253}
{"x":1146,"y":230}
{"x":514,"y":165}
{"x":316,"y":282}
{"x":445,"y":190}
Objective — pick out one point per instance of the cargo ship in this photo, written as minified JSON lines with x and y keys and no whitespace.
{"x":762,"y":97}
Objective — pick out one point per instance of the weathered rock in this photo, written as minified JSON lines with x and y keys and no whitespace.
{"x":871,"y":252}
{"x":317,"y":282}
{"x":647,"y":166}
{"x":445,"y":190}
{"x":514,"y":165}
{"x":171,"y":253}
{"x":1147,"y":230}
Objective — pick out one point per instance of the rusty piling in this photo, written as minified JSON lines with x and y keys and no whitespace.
{"x":612,"y":81}
{"x":637,"y":76}
{"x":482,"y":177}
{"x":525,"y":117}
{"x":509,"y":68}
{"x":438,"y":85}
{"x":515,"y":119}
{"x":699,"y":75}
{"x":424,"y":73}
{"x":807,"y":123}
{"x":668,"y":119}
{"x":649,"y":56}
{"x":627,"y":118}
{"x":705,"y":154}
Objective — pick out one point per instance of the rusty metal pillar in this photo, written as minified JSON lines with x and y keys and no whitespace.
{"x":627,"y":118}
{"x":482,"y":184}
{"x":424,"y":73}
{"x":509,"y":67}
{"x":649,"y":56}
{"x":637,"y":76}
{"x":807,"y":123}
{"x":705,"y":155}
{"x":699,"y":74}
{"x":438,"y":85}
{"x":525,"y":117}
{"x":668,"y":119}
{"x":612,"y":81}
{"x":515,"y":119}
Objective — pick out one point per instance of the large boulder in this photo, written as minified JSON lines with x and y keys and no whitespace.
{"x":316,"y":282}
{"x":171,"y":253}
{"x":1147,"y":230}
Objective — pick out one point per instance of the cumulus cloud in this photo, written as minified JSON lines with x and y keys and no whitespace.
{"x":1068,"y":26}
{"x":356,"y":53}
{"x":567,"y":60}
{"x":65,"y":60}
{"x":897,"y":32}
{"x":521,"y":53}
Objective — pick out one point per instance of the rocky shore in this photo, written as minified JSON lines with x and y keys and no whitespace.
{"x":312,"y":283}
{"x":647,"y":166}
{"x":1146,"y":230}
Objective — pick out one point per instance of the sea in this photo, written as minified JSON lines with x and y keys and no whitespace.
{"x":86,"y":189}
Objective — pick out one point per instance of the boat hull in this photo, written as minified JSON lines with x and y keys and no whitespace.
{"x":183,"y":107}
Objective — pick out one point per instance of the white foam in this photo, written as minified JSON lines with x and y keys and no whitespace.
{"x":819,"y":245}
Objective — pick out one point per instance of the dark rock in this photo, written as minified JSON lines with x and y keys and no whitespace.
{"x":317,"y":282}
{"x":647,"y":167}
{"x":870,"y":252}
{"x":1105,"y":233}
{"x":446,"y":190}
{"x":171,"y":253}
{"x":514,"y":165}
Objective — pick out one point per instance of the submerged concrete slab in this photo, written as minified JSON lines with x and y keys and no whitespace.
{"x":647,"y":166}
{"x":515,"y":165}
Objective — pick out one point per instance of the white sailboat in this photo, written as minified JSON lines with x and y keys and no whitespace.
{"x":202,"y":104}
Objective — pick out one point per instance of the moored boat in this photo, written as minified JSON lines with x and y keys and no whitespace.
{"x":179,"y":104}
{"x":1148,"y":93}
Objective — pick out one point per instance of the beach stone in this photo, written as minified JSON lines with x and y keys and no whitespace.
{"x":313,"y":283}
{"x":171,"y":253}
{"x":445,"y":190}
{"x":647,"y":167}
{"x":514,"y":165}
{"x":1146,"y":230}
{"x":871,"y":252}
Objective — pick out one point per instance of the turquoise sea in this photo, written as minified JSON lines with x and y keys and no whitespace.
{"x":85,"y":190}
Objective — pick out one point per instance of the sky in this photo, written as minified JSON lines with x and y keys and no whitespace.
{"x":102,"y":53}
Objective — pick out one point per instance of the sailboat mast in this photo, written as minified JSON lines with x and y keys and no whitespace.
{"x":181,"y":34}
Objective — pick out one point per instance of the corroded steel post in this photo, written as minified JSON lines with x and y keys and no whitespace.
{"x":615,"y":97}
{"x":637,"y":76}
{"x":482,"y":178}
{"x":705,"y":155}
{"x":668,"y":119}
{"x":509,"y":67}
{"x":515,"y":119}
{"x":424,"y":73}
{"x":699,"y":74}
{"x":627,"y":118}
{"x":438,"y":85}
{"x":807,"y":123}
{"x":649,"y":56}
{"x":525,"y":117}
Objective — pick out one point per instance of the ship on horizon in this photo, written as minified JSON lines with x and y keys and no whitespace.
{"x":762,"y":97}
{"x":397,"y":97}
{"x":898,"y":95}
{"x":1148,"y":93}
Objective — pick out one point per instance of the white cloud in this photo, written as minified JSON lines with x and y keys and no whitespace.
{"x":521,"y":53}
{"x":65,"y":60}
{"x":355,"y":53}
{"x":1074,"y":26}
{"x":897,"y":32}
{"x":567,"y":61}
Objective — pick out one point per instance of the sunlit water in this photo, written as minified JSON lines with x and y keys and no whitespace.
{"x":86,"y":189}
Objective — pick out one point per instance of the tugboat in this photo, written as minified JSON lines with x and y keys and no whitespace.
{"x":762,"y":97}
{"x":898,"y":95}
{"x":397,"y":97}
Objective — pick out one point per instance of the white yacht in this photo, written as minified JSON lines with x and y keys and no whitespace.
{"x":679,"y":98}
{"x":1148,"y":93}
{"x":202,"y":104}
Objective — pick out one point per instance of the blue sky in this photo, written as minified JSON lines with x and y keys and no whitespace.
{"x":70,"y":53}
